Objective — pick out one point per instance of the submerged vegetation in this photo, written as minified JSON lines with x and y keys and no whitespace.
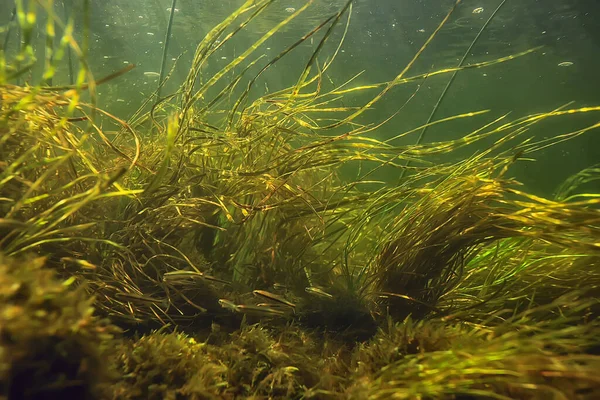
{"x":211,"y":247}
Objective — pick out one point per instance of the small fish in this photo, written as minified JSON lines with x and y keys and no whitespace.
{"x":268,"y":305}
{"x":136,"y":298}
{"x":259,"y":311}
{"x":179,"y":276}
{"x":478,"y":10}
{"x":274,"y":297}
{"x":13,"y":224}
{"x":230,"y":305}
{"x":565,"y":64}
{"x":151,"y":73}
{"x":290,"y":9}
{"x":82,"y":263}
{"x":125,"y":317}
{"x":318,"y":292}
{"x":215,"y":279}
{"x":277,"y":306}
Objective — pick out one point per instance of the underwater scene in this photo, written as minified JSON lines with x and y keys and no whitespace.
{"x":299,"y":199}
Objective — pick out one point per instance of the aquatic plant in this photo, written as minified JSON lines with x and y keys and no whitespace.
{"x":518,"y":358}
{"x":230,"y":228}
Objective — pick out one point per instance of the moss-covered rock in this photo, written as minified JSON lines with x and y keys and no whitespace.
{"x":166,"y":366}
{"x":51,"y":344}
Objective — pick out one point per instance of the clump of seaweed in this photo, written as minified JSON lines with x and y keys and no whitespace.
{"x":51,"y":344}
{"x":523,"y":357}
{"x":443,"y":235}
